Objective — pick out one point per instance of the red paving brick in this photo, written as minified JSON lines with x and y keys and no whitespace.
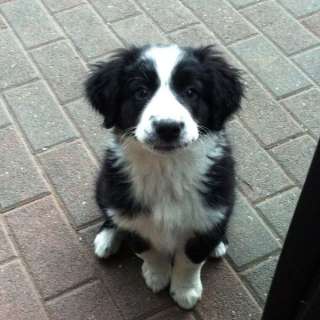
{"x":50,"y":249}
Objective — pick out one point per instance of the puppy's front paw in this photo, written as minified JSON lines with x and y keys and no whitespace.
{"x":187,"y":296}
{"x":106,"y":243}
{"x":220,"y":250}
{"x":156,"y":278}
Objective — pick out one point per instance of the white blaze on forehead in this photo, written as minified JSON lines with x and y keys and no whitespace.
{"x":165,"y":60}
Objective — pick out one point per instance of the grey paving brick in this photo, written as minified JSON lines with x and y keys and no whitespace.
{"x":90,"y":301}
{"x":39,"y":115}
{"x":173,"y":314}
{"x":260,"y":277}
{"x":224,"y":296}
{"x":279,"y":210}
{"x":90,"y":125}
{"x":265,"y":61}
{"x":313,"y":23}
{"x":305,"y":107}
{"x":4,"y":119}
{"x":222,"y":19}
{"x":169,"y":14}
{"x":280,"y":27}
{"x":18,"y":301}
{"x":50,"y":249}
{"x":89,"y":34}
{"x":301,"y":7}
{"x":309,"y":61}
{"x":19,"y":177}
{"x":243,"y":3}
{"x":249,"y":238}
{"x":15,"y":67}
{"x":193,"y":36}
{"x":295,"y":156}
{"x":72,"y":173}
{"x":31,"y":22}
{"x":62,"y":68}
{"x":264,"y":116}
{"x":259,"y":175}
{"x":55,"y":5}
{"x":112,"y":10}
{"x":6,"y":250}
{"x":138,"y":30}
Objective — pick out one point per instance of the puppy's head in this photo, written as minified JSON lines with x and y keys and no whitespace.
{"x":166,"y":97}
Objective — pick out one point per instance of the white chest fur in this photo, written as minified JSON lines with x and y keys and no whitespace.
{"x":169,"y":185}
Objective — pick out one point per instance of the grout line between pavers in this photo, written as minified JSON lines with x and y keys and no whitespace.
{"x":46,"y":43}
{"x":293,"y":14}
{"x":4,"y":263}
{"x":246,"y":5}
{"x":52,"y":12}
{"x":188,"y":25}
{"x":73,"y":289}
{"x":23,"y":83}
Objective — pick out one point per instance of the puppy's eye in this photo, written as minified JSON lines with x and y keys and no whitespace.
{"x":141,"y":93}
{"x":191,"y":93}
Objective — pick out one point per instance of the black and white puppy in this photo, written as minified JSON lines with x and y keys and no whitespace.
{"x":167,"y":181}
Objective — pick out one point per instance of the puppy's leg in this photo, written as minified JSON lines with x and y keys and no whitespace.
{"x":186,"y":286}
{"x":156,"y":266}
{"x":220,"y":249}
{"x":107,"y":240}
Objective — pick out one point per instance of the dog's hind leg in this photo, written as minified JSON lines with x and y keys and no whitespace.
{"x":107,"y":240}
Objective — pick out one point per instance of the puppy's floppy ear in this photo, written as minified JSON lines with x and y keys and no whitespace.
{"x":103,"y":85}
{"x":225,"y":84}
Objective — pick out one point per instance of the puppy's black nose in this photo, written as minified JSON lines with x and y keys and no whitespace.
{"x":168,"y":130}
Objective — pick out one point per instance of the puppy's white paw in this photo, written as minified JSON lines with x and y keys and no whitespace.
{"x":220,"y":250}
{"x":188,"y":296}
{"x":106,"y":243}
{"x":156,"y":278}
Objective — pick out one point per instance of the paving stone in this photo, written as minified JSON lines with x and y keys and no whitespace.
{"x":313,"y":23}
{"x":168,"y":14}
{"x":280,"y":27}
{"x":273,"y":70}
{"x":173,"y":314}
{"x":17,"y":299}
{"x":224,"y":296}
{"x":243,"y":3}
{"x":55,"y":5}
{"x":72,"y":174}
{"x":122,"y":275}
{"x":295,"y":156}
{"x":261,"y":276}
{"x":193,"y":36}
{"x":138,"y":30}
{"x":249,"y":238}
{"x":39,"y":116}
{"x":301,"y":7}
{"x":15,"y":67}
{"x":309,"y":61}
{"x":259,"y":175}
{"x":305,"y":107}
{"x":6,"y":250}
{"x":89,"y":34}
{"x":4,"y":119}
{"x":50,"y":249}
{"x":90,"y":301}
{"x":279,"y":210}
{"x":112,"y":10}
{"x":18,"y":172}
{"x":62,"y":68}
{"x":222,"y":19}
{"x":30,"y":21}
{"x":264,"y":116}
{"x":90,"y":125}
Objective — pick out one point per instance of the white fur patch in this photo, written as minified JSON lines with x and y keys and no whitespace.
{"x":220,"y":250}
{"x":169,"y":185}
{"x":106,"y":243}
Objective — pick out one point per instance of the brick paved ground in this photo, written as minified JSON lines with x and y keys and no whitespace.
{"x":51,"y":145}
